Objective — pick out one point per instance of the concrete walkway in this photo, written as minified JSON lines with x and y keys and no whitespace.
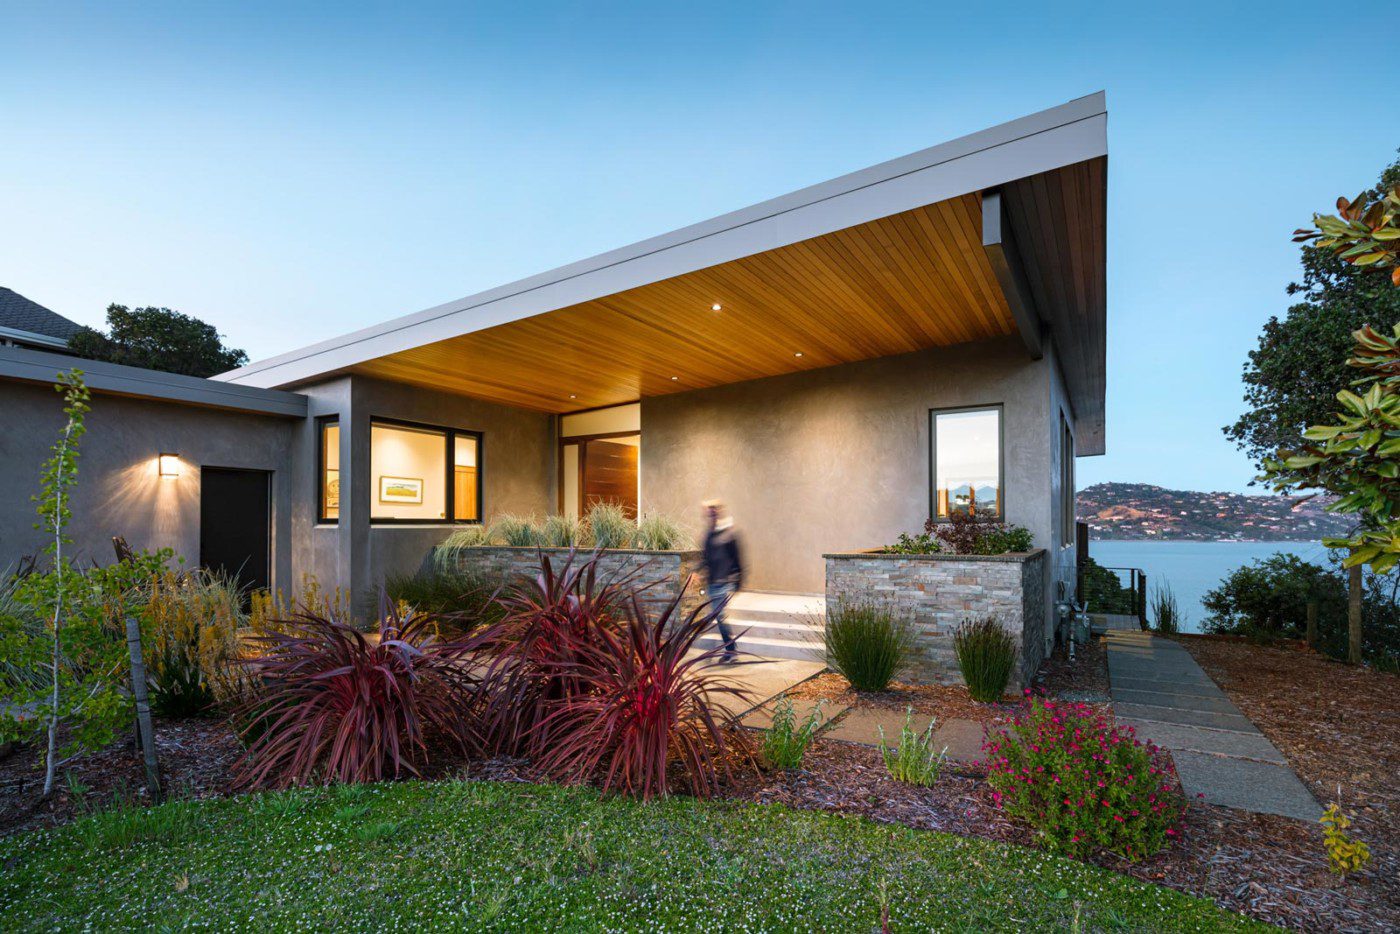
{"x":1159,"y":690}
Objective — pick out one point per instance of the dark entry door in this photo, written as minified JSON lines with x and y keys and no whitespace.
{"x":234,"y":529}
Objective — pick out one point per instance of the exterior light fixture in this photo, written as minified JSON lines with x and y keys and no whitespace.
{"x":715,"y":306}
{"x":169,"y":465}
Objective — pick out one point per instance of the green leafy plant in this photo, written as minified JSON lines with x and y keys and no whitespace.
{"x":1344,"y":855}
{"x":986,"y":654}
{"x":1358,"y":457}
{"x":660,"y":533}
{"x":1166,"y":610}
{"x":1083,"y":785}
{"x":785,"y":741}
{"x":915,"y":760}
{"x":966,"y":534}
{"x":867,"y":644}
{"x":1365,"y":231}
{"x":610,"y":527}
{"x":922,"y":544}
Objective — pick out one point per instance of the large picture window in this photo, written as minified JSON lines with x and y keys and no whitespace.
{"x":328,"y":475}
{"x":965,"y":462}
{"x":422,"y":473}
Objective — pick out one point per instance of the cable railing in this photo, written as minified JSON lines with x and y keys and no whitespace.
{"x":1114,"y":591}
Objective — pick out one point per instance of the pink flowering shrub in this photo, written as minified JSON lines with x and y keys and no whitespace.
{"x":1085,"y":786}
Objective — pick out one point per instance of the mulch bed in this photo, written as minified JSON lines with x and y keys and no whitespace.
{"x":195,"y":756}
{"x":1335,"y":724}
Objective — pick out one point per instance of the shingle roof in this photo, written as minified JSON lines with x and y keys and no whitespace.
{"x":18,"y":312}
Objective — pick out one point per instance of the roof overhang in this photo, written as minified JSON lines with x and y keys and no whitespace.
{"x":995,"y":233}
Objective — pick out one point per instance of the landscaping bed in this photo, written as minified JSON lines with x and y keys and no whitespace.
{"x":473,"y":856}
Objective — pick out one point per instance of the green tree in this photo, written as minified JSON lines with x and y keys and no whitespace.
{"x":57,"y":622}
{"x":157,"y":339}
{"x":1292,"y":378}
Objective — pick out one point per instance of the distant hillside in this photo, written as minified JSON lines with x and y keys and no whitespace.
{"x":1142,"y":511}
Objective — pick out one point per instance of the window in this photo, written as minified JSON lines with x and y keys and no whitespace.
{"x":328,"y":498}
{"x":966,"y":462}
{"x":1067,"y":509}
{"x":421,"y":473}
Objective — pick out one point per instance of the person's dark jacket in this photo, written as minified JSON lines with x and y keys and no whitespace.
{"x":721,"y":556}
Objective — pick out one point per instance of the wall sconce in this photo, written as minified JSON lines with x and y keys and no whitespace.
{"x":169,"y":466}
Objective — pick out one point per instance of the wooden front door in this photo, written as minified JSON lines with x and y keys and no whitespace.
{"x":609,"y":474}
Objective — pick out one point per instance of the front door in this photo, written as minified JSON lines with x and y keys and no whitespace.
{"x":610,"y":473}
{"x":234,"y":524}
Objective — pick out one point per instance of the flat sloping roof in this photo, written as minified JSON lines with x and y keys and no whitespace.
{"x":1048,"y":166}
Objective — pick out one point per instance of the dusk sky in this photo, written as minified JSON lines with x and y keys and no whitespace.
{"x":290,"y":172}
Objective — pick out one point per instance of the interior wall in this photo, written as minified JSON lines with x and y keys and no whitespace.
{"x":119,"y":491}
{"x":837,"y":459}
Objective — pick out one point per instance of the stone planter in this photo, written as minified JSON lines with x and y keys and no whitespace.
{"x":937,"y":592}
{"x":662,"y":573}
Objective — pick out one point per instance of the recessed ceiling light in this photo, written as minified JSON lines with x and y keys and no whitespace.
{"x":674,"y":378}
{"x":572,"y":396}
{"x":798,"y":354}
{"x":715,"y":306}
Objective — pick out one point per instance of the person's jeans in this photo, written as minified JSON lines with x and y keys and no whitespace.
{"x":720,"y":595}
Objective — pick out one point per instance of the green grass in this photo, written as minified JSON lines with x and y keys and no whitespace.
{"x":487,"y":856}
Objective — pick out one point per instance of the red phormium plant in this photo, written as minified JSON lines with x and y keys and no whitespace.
{"x":584,"y":682}
{"x":335,"y":707}
{"x":1084,"y":785}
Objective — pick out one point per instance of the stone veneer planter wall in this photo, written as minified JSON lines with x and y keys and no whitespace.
{"x":666,"y":572}
{"x":939,"y":591}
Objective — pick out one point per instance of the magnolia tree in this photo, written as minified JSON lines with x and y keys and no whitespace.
{"x":1364,"y":231}
{"x":1358,"y":457}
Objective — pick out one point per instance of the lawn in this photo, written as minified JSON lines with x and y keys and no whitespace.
{"x":483,"y":855}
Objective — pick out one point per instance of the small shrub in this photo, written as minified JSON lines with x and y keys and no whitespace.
{"x":785,"y":741}
{"x":1166,"y":611}
{"x":986,"y":655}
{"x":334,"y":707}
{"x":272,"y":610}
{"x":921,"y":544}
{"x":609,"y":526}
{"x":519,"y":531}
{"x":867,"y":644}
{"x":965,"y":534}
{"x":660,"y":533}
{"x":914,"y":760}
{"x":560,"y":531}
{"x":1344,"y":854}
{"x":1082,"y":785}
{"x":190,"y":634}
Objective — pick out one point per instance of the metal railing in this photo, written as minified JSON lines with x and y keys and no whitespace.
{"x":1114,"y":591}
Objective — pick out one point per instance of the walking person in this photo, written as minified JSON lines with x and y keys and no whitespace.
{"x":724,"y":570}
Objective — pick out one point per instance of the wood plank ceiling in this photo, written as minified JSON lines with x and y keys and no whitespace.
{"x":898,"y":284}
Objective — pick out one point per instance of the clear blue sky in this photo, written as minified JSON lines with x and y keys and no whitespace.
{"x":292,"y":171}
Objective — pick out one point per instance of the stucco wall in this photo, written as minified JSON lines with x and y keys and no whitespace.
{"x":119,"y":491}
{"x":837,"y":459}
{"x":517,"y":463}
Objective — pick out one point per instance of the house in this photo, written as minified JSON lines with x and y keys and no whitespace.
{"x":839,"y":364}
{"x":26,"y":323}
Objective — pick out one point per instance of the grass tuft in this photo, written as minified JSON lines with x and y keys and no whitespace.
{"x":914,"y":760}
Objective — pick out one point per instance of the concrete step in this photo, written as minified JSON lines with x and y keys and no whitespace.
{"x":767,"y":648}
{"x":776,"y":629}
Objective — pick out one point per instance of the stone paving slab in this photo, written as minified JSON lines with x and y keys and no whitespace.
{"x":863,"y":725}
{"x":1118,"y":673}
{"x":1198,"y":688}
{"x":963,"y":739}
{"x":1177,"y":736}
{"x":1181,"y":700}
{"x":1216,"y":721}
{"x":1262,"y":787}
{"x":762,"y":718}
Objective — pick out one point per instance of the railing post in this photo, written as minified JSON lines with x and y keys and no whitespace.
{"x":1142,"y":599}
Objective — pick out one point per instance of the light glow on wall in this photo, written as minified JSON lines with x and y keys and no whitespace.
{"x":168,"y":466}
